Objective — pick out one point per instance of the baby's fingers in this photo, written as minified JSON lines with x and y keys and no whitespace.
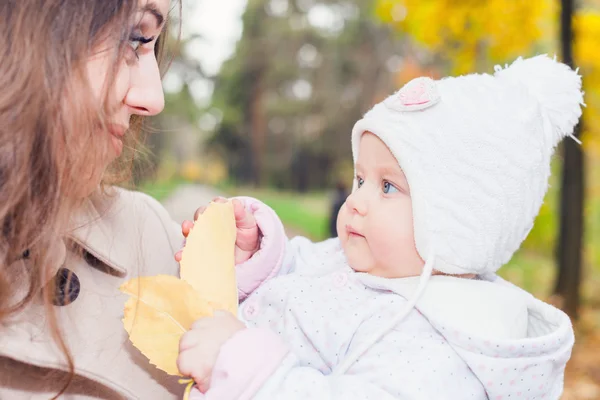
{"x":186,"y":227}
{"x":199,"y":211}
{"x":243,"y":218}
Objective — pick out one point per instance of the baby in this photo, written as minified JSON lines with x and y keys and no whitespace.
{"x":405,"y":304}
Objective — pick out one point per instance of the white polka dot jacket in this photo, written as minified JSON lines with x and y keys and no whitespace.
{"x":307,"y":311}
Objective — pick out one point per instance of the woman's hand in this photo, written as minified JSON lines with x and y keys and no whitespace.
{"x":200,"y":346}
{"x":247,"y":233}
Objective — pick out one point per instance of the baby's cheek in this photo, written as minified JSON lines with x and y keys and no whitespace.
{"x":391,"y":246}
{"x":341,"y":223}
{"x":385,"y":249}
{"x":402,"y":258}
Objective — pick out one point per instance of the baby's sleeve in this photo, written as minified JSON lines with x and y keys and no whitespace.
{"x":277,"y":255}
{"x":266,"y":262}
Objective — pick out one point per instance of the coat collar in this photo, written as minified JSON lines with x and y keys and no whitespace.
{"x":101,"y":227}
{"x":92,"y":228}
{"x":480,"y":307}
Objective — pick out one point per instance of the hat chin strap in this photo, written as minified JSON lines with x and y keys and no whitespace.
{"x":352,"y":357}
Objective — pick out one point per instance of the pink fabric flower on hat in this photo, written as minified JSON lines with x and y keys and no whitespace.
{"x":414,"y":95}
{"x":418,"y":94}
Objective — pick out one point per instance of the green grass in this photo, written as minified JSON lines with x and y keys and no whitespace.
{"x":306,"y":214}
{"x":162,"y":189}
{"x":531,"y":271}
{"x":297,"y":213}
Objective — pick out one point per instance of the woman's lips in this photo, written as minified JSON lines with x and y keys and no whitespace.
{"x":117,"y":132}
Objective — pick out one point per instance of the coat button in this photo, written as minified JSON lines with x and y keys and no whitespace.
{"x":66,"y":287}
{"x":340,"y":279}
{"x":251,"y":310}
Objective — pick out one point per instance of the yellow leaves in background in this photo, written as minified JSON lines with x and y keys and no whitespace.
{"x":586,"y":26}
{"x":162,"y":308}
{"x":208,"y":169}
{"x":471,"y":32}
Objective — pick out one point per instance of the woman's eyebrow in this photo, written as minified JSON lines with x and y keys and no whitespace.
{"x":152,"y":8}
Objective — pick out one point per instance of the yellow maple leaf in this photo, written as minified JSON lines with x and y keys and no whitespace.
{"x":207,"y":262}
{"x":161,"y":309}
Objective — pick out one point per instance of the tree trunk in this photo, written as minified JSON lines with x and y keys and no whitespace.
{"x":258,"y":130}
{"x":569,"y":252}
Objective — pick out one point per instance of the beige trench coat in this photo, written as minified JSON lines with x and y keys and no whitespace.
{"x":125,"y":235}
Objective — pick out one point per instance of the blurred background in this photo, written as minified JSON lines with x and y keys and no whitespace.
{"x":262,"y":95}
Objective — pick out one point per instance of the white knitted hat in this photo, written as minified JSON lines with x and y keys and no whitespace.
{"x":476,"y":153}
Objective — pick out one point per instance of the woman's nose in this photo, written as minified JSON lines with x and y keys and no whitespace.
{"x":145,"y":95}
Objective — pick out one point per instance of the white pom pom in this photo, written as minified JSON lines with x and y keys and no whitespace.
{"x":556,"y":87}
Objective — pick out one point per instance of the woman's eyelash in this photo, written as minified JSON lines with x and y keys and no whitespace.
{"x":141,"y":39}
{"x":137,"y":40}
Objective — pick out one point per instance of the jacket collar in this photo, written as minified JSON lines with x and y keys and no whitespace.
{"x":102,"y":226}
{"x":464,"y":304}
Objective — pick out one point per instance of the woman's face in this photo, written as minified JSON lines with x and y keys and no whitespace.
{"x":137,"y":88}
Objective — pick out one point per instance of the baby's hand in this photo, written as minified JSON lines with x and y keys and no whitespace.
{"x":199,"y":347}
{"x":247,"y":233}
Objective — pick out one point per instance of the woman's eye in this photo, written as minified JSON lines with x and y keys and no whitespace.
{"x":359,"y":181}
{"x":135,"y":41}
{"x":135,"y":45}
{"x":389,"y":188}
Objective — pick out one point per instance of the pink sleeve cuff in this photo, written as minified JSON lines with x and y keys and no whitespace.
{"x":244,"y":363}
{"x":267,"y":261}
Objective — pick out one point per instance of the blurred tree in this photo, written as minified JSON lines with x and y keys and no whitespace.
{"x":569,"y":250}
{"x":303,"y":72}
{"x":239,"y":95}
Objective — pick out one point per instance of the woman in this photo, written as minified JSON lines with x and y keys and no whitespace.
{"x":76,"y":78}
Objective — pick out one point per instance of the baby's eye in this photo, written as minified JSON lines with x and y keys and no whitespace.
{"x":359,"y":181}
{"x":389,"y":188}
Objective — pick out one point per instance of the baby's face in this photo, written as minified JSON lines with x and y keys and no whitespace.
{"x":375,"y":225}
